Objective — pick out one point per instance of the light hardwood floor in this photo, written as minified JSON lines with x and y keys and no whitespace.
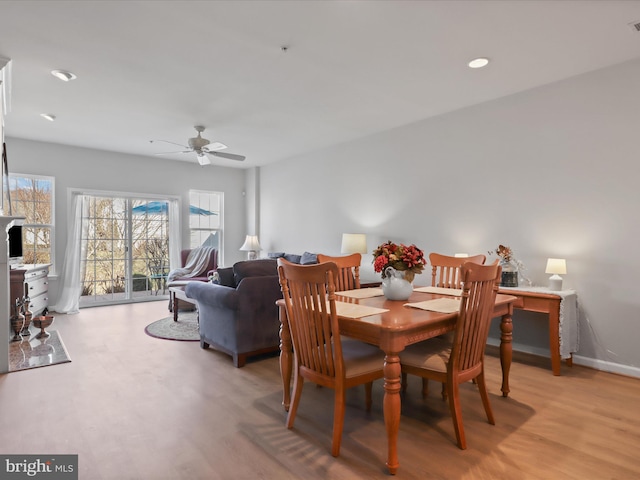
{"x":136,"y":407}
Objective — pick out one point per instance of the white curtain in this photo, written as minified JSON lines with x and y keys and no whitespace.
{"x":74,"y":258}
{"x":174,"y":235}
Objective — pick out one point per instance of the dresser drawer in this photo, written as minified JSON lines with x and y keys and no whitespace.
{"x":33,"y":274}
{"x":39,"y":303}
{"x":37,"y":286}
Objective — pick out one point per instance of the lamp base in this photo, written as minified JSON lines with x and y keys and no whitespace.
{"x":555,"y":283}
{"x":252,"y":255}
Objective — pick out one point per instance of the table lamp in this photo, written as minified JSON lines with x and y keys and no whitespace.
{"x":354,"y":243}
{"x":557,"y":267}
{"x":252,"y":246}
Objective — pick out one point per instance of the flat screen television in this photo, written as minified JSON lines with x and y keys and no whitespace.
{"x":16,"y":254}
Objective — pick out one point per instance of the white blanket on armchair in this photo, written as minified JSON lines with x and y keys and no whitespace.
{"x":195,"y":266}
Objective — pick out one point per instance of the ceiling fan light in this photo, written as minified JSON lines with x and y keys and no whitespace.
{"x":204,"y":160}
{"x":63,"y":75}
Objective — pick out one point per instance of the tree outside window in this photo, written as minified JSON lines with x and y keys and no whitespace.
{"x":32,"y":197}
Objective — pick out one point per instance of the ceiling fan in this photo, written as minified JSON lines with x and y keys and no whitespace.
{"x":202,"y":147}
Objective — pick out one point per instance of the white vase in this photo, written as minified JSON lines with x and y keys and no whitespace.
{"x":395,"y":286}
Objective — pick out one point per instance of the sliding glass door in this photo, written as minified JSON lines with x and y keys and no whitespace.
{"x":127,"y":250}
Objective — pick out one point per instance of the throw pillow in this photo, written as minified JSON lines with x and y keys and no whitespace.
{"x":308,"y":258}
{"x":290,"y":257}
{"x":225,"y":276}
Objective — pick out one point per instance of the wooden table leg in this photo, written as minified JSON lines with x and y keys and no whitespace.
{"x":286,"y":350}
{"x":174,"y":305}
{"x":554,"y":336}
{"x":506,"y":350}
{"x":392,"y":407}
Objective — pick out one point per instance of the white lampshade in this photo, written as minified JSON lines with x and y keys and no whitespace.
{"x":557,"y":267}
{"x":354,"y":243}
{"x":251,"y":245}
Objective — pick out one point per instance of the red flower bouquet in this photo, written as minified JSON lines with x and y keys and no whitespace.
{"x":408,"y":259}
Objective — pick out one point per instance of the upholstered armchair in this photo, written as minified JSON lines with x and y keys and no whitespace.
{"x":203,"y":277}
{"x":213,"y":264}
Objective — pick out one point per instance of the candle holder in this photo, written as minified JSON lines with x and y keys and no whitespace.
{"x":42,"y":322}
{"x":28,"y":316}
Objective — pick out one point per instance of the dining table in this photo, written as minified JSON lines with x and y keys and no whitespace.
{"x":365,"y":314}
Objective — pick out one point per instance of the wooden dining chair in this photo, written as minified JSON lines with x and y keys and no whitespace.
{"x":445,"y":270}
{"x":453,"y":363}
{"x":445,"y":273}
{"x":348,"y":270}
{"x":321,"y":356}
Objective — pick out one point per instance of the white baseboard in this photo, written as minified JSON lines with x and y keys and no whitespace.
{"x":607,"y":366}
{"x":577,"y":359}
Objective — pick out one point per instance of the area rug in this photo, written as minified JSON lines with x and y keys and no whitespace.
{"x":185,"y":329}
{"x":37,"y":352}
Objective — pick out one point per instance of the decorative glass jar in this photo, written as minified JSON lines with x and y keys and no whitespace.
{"x":509,"y":274}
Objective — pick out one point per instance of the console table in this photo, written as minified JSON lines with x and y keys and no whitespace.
{"x":562,"y":309}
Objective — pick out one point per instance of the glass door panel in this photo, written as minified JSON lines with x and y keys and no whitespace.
{"x":127,"y":250}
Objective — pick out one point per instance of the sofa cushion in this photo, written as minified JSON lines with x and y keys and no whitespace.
{"x":275,"y":254}
{"x":254,"y":268}
{"x":308,"y":258}
{"x":292,"y":257}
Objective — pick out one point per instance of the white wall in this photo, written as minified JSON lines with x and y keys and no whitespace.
{"x":551,"y":172}
{"x":80,"y":168}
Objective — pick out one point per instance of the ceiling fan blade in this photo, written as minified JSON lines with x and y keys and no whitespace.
{"x":167,"y":141}
{"x":204,"y":160}
{"x":172,"y":153}
{"x":230,"y":156}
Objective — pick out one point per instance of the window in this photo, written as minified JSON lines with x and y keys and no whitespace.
{"x":32,"y":197}
{"x":205,"y":219}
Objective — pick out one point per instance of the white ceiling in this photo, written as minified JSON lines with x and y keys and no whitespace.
{"x":154,"y":69}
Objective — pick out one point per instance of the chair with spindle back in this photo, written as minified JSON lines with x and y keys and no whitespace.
{"x":445,"y":273}
{"x":458,"y":361}
{"x":321,"y":356}
{"x":348,"y":270}
{"x":445,"y":270}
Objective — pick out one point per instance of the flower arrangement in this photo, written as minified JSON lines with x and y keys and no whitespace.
{"x":409,"y":259}
{"x":505,"y":253}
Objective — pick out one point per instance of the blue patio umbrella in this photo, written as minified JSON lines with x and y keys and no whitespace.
{"x":161,"y":208}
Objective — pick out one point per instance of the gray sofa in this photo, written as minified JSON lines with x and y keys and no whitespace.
{"x":239,"y":315}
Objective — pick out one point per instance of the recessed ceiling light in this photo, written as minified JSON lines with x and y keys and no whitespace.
{"x":48,"y":116}
{"x":63,"y":75}
{"x":478,"y":62}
